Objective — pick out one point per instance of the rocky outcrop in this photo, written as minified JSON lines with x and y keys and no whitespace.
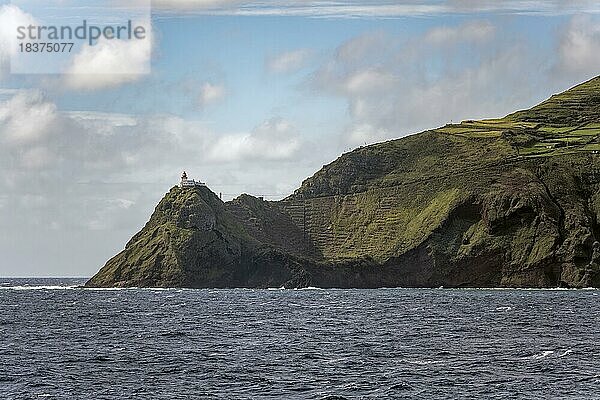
{"x":512,"y":202}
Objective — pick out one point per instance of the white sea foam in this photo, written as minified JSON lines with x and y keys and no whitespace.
{"x":525,"y":289}
{"x":566,"y":352}
{"x":543,"y":354}
{"x":423,"y":362}
{"x":47,"y":287}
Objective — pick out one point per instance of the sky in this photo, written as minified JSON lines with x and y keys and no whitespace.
{"x":250,"y":97}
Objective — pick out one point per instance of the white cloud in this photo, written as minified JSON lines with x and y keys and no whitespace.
{"x":275,"y":139}
{"x":293,"y":7}
{"x":194,"y":4}
{"x":375,"y":8}
{"x":363,"y":134}
{"x":101,"y":118}
{"x":11,"y":17}
{"x":579,"y":46}
{"x":110,"y":63}
{"x":37,"y":158}
{"x":552,"y":7}
{"x":26,"y":118}
{"x":364,"y":47}
{"x":211,"y":93}
{"x":289,"y":61}
{"x":368,"y":81}
{"x":476,"y":31}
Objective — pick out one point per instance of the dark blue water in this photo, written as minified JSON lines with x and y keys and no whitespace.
{"x":72,"y":343}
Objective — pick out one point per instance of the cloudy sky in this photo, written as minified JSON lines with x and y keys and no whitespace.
{"x":251,"y":97}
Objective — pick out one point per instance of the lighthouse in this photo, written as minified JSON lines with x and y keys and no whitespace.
{"x":189,"y":183}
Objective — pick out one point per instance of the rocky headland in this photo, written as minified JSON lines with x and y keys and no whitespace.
{"x":510,"y":202}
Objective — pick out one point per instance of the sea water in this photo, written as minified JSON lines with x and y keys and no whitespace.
{"x":58,"y":341}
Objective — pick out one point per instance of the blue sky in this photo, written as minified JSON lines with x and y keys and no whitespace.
{"x":252,"y":99}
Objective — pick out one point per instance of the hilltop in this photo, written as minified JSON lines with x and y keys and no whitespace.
{"x":510,"y":202}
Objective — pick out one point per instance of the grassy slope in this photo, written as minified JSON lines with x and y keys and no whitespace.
{"x":523,"y":158}
{"x":568,"y":122}
{"x":491,"y":202}
{"x":158,"y":256}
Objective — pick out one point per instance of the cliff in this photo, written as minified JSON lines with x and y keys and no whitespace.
{"x":510,"y":202}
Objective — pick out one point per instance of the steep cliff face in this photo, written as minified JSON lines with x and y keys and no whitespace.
{"x":505,"y":202}
{"x":193,"y":239}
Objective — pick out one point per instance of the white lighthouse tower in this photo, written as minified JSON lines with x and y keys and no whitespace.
{"x":189,"y":183}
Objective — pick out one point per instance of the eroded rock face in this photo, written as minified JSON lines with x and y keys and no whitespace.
{"x":197,"y":215}
{"x":467,"y":205}
{"x":193,"y":240}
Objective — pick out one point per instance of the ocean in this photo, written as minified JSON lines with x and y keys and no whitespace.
{"x":58,"y":341}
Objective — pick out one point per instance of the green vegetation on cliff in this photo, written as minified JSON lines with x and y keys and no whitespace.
{"x":504,"y":202}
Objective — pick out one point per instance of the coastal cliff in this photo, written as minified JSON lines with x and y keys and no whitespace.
{"x":511,"y":202}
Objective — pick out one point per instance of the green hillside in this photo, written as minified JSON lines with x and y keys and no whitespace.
{"x":501,"y":202}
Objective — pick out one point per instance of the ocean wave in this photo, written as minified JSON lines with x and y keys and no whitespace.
{"x":543,"y":354}
{"x":565,"y":353}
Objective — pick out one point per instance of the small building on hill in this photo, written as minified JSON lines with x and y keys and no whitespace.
{"x":188,"y":183}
